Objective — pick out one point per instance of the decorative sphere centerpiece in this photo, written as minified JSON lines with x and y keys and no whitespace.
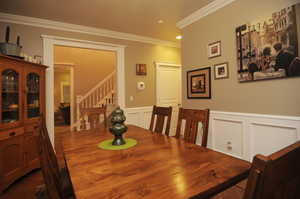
{"x":118,"y":127}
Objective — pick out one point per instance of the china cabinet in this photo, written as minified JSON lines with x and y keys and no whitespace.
{"x":22,"y":100}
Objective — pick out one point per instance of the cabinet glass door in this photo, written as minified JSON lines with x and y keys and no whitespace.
{"x":10,"y":96}
{"x":33,"y":95}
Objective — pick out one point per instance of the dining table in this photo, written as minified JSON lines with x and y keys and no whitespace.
{"x":158,"y":166}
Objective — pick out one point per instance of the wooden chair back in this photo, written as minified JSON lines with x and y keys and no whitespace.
{"x":49,"y":164}
{"x":161,"y":113}
{"x":93,"y":116}
{"x":276,"y":176}
{"x":192,"y":118}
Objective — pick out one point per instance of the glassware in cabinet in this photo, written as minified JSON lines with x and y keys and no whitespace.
{"x":33,"y":95}
{"x":10,"y":96}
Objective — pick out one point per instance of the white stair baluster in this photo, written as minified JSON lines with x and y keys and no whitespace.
{"x":102,"y":93}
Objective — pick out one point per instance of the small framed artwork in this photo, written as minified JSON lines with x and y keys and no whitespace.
{"x":198,"y":83}
{"x":214,"y":49}
{"x":221,"y":71}
{"x":141,"y":69}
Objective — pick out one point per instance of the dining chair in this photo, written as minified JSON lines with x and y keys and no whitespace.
{"x":276,"y":176}
{"x":272,"y":177}
{"x":160,"y":113}
{"x":93,"y":117}
{"x":192,"y":118}
{"x":58,"y":184}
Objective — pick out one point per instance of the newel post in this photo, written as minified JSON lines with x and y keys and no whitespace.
{"x":78,"y":101}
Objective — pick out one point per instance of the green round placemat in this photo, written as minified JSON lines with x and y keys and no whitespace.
{"x":107,"y":144}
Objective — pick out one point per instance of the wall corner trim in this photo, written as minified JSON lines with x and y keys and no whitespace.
{"x":203,"y":12}
{"x":50,"y":24}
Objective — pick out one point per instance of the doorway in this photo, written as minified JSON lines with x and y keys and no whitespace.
{"x":168,"y":89}
{"x":63,"y":95}
{"x":48,"y":59}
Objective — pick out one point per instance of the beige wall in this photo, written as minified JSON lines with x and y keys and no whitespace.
{"x":59,"y":76}
{"x":90,"y":66}
{"x":279,"y":97}
{"x":148,"y":56}
{"x":135,"y":52}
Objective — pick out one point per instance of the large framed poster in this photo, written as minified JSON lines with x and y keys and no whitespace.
{"x":269,"y":48}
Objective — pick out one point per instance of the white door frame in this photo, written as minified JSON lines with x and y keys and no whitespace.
{"x":70,"y":67}
{"x":159,"y":64}
{"x":48,"y":59}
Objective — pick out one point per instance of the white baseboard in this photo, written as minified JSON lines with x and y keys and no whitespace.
{"x":248,"y":134}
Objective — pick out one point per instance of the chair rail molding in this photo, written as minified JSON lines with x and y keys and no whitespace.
{"x":242,"y":135}
{"x":48,"y":57}
{"x":56,"y":25}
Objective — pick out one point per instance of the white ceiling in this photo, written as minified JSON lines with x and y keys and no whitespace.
{"x":138,"y":17}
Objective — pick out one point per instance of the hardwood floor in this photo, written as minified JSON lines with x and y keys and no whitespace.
{"x":25,"y":187}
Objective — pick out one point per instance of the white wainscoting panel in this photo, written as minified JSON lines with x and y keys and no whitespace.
{"x":257,"y":133}
{"x":228,"y":136}
{"x":140,"y":116}
{"x":273,"y":136}
{"x":241,"y":135}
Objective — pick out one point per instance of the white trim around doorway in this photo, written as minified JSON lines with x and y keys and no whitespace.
{"x":48,"y":59}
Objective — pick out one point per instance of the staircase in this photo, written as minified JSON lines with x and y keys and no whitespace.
{"x":104,"y":93}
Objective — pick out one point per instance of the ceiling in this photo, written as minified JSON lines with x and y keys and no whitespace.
{"x":138,"y":17}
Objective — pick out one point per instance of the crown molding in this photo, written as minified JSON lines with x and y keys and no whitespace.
{"x":202,"y":12}
{"x":211,"y":8}
{"x":49,"y":24}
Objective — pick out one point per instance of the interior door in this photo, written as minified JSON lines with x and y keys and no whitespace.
{"x":168,"y":89}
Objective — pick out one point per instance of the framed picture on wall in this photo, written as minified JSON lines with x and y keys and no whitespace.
{"x":268,"y":48}
{"x":199,"y":83}
{"x":214,"y":49}
{"x":221,"y":71}
{"x":141,"y":69}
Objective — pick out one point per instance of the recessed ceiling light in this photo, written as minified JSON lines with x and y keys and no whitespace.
{"x":179,"y":37}
{"x":160,"y":21}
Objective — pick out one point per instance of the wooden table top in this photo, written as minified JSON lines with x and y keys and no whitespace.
{"x":157,"y":167}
